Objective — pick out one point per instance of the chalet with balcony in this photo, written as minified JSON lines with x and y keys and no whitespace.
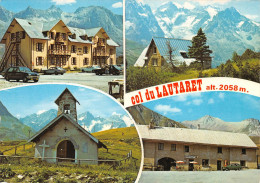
{"x":40,"y":45}
{"x":156,"y":54}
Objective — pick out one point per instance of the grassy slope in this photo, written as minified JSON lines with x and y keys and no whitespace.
{"x":119,"y":141}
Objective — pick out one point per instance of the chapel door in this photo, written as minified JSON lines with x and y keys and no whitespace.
{"x":66,"y":150}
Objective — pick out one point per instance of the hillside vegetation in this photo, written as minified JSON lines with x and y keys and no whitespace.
{"x":246,"y":66}
{"x":119,"y":142}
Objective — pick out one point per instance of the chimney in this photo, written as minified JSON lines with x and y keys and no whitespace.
{"x":198,"y":126}
{"x":151,"y":125}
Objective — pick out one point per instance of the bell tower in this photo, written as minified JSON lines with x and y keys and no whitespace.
{"x":67,"y":104}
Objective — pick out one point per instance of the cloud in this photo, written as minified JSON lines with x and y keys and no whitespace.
{"x":117,"y":5}
{"x":180,"y":98}
{"x":188,"y":5}
{"x":211,"y":101}
{"x":197,"y":101}
{"x":221,"y":95}
{"x":63,"y":2}
{"x":128,"y":121}
{"x":40,"y":112}
{"x":252,"y":17}
{"x":166,"y":108}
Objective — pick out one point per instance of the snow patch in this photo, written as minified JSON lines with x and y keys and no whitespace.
{"x":176,"y":16}
{"x":166,"y":20}
{"x":106,"y":127}
{"x":163,"y":10}
{"x":93,"y":123}
{"x":143,"y":14}
{"x":240,"y":24}
{"x":212,"y":12}
{"x":129,"y":24}
{"x":40,"y":112}
{"x":128,"y":121}
{"x":258,"y":24}
{"x":177,"y":5}
{"x":80,"y":119}
{"x":188,"y":6}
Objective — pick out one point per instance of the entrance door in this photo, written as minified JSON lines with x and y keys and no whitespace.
{"x":219,"y":165}
{"x":66,"y":150}
{"x":167,"y":163}
{"x":191,"y":165}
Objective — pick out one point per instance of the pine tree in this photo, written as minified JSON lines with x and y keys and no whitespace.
{"x":199,"y":50}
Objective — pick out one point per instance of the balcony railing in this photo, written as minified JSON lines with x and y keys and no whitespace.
{"x":16,"y":40}
{"x":59,"y":52}
{"x":60,"y":39}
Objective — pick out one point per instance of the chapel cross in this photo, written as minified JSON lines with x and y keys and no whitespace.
{"x":43,"y":148}
{"x":65,"y":129}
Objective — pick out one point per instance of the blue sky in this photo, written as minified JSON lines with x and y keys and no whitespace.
{"x":228,"y":106}
{"x":66,"y":5}
{"x":22,"y":101}
{"x":248,"y":8}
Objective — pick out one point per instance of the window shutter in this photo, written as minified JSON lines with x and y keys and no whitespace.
{"x":37,"y":46}
{"x":41,"y":46}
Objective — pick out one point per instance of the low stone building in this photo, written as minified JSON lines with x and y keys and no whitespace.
{"x":195,"y":149}
{"x":63,"y":137}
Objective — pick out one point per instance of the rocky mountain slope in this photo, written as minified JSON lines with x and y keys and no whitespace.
{"x":143,"y":116}
{"x":11,"y":128}
{"x":248,"y":126}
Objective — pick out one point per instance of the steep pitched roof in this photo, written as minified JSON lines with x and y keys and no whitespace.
{"x":178,"y":46}
{"x":66,"y":90}
{"x":193,"y":136}
{"x":141,"y":59}
{"x":110,"y":42}
{"x":93,"y":31}
{"x":47,"y":26}
{"x":54,"y":122}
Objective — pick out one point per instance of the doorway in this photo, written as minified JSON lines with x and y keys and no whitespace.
{"x":167,"y":163}
{"x":66,"y":149}
{"x":191,"y":165}
{"x":219,"y":165}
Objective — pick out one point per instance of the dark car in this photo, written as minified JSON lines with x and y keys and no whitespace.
{"x":89,"y":68}
{"x":233,"y":166}
{"x":54,"y":70}
{"x":110,"y":69}
{"x":21,"y":73}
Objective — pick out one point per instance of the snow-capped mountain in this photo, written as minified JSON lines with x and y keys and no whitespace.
{"x":87,"y":120}
{"x":141,"y":24}
{"x":83,"y":17}
{"x":227,"y":30}
{"x":39,"y":120}
{"x":249,"y":126}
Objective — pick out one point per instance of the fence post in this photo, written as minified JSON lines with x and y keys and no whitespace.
{"x":15,"y":150}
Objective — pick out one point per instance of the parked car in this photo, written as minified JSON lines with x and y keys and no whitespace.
{"x":54,"y":70}
{"x":110,"y":69}
{"x":233,"y":166}
{"x":89,"y":68}
{"x":21,"y":73}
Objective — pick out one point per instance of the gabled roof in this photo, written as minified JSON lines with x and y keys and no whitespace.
{"x":110,"y":42}
{"x":54,"y":122}
{"x":66,"y":90}
{"x":32,"y":28}
{"x":177,"y":45}
{"x":93,"y":31}
{"x":47,"y":26}
{"x":193,"y":136}
{"x":141,"y":59}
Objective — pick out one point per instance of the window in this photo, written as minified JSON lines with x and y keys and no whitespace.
{"x":86,"y":61}
{"x":53,"y":61}
{"x":64,"y":61}
{"x":23,"y":34}
{"x":73,"y":49}
{"x":73,"y":61}
{"x":12,"y":35}
{"x":205,"y":162}
{"x":186,"y":148}
{"x":85,"y":49}
{"x":67,"y":109}
{"x":111,"y":51}
{"x":39,"y":61}
{"x":219,"y":149}
{"x":155,"y":63}
{"x":184,"y":54}
{"x":64,"y":36}
{"x":154,"y":50}
{"x":173,"y":147}
{"x":160,"y":146}
{"x":39,"y":47}
{"x":243,"y":151}
{"x":243,"y":163}
{"x":52,"y":35}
